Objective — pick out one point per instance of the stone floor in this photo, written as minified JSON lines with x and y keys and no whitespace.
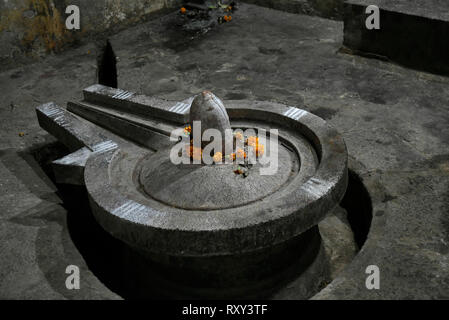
{"x":395,"y":122}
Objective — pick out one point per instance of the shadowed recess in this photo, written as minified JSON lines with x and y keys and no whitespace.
{"x":107,"y":66}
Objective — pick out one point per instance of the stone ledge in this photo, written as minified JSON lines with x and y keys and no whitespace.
{"x":331,"y":9}
{"x":411,"y":35}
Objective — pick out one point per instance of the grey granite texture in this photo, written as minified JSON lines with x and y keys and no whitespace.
{"x":30,"y":30}
{"x":394,"y":121}
{"x":209,"y":111}
{"x":332,"y":9}
{"x":432,"y":9}
{"x":411,"y":33}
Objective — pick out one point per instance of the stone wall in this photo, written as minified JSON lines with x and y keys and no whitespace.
{"x":332,"y":9}
{"x":32,"y":28}
{"x":29,"y":29}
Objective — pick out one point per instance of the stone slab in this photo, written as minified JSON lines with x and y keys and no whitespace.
{"x":70,"y":169}
{"x":430,"y":9}
{"x":145,"y":224}
{"x":150,"y":107}
{"x":69,"y":129}
{"x":411,"y":33}
{"x":332,"y":9}
{"x":266,"y":54}
{"x":152,"y":134}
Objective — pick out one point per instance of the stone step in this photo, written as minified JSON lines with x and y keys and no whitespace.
{"x":412,"y":33}
{"x":73,"y":132}
{"x":149,"y":133}
{"x":141,"y":105}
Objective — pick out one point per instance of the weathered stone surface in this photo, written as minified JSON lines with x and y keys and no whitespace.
{"x":209,"y":111}
{"x":338,"y":241}
{"x":217,"y":237}
{"x":394,"y":122}
{"x":205,"y":187}
{"x":30,"y":29}
{"x":138,"y":104}
{"x":324,"y":8}
{"x":338,"y":249}
{"x":69,"y":129}
{"x":33,"y":265}
{"x":145,"y":223}
{"x":411,"y":33}
{"x":70,"y":169}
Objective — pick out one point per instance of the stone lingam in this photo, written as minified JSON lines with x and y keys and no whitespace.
{"x":226,"y":227}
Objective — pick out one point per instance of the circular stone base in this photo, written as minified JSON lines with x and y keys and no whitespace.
{"x":243,"y":241}
{"x":252,"y":275}
{"x":212,"y":187}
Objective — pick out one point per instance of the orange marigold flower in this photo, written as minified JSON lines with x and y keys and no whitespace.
{"x":238,"y":135}
{"x":232,"y":156}
{"x":183,"y":10}
{"x":241,"y":154}
{"x":197,"y":153}
{"x":218,"y":156}
{"x":253,"y":141}
{"x":260,"y":150}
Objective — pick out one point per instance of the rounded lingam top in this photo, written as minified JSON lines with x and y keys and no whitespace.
{"x":208,"y":109}
{"x":190,"y":186}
